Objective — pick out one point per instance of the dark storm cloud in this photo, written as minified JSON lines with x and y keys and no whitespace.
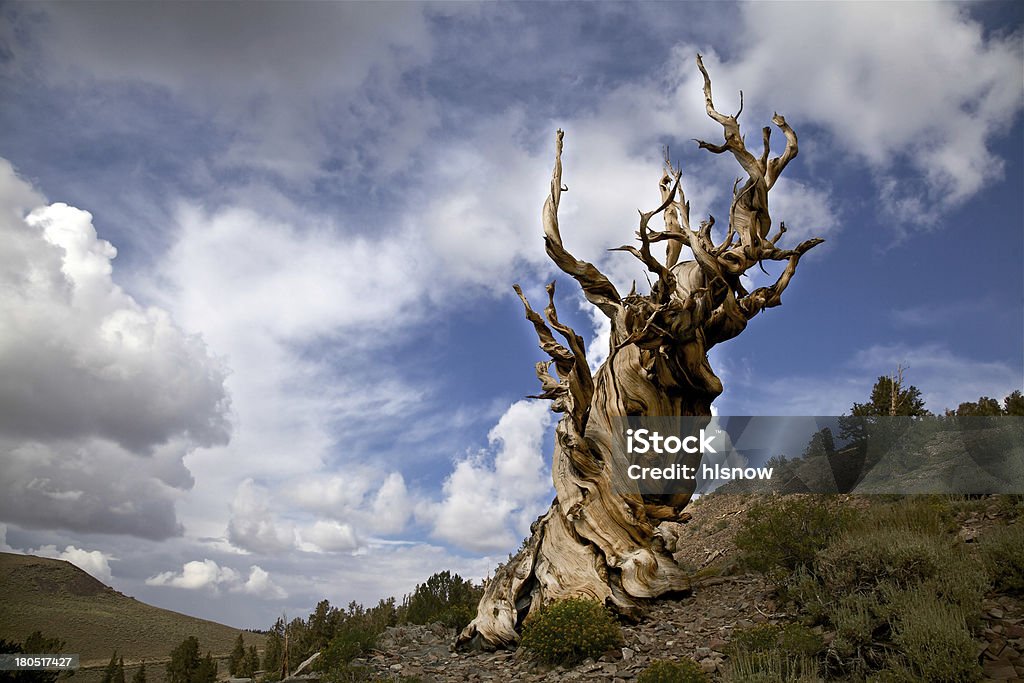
{"x":101,"y":397}
{"x":91,"y":485}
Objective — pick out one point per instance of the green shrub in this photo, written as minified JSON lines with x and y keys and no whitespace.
{"x":787,"y":534}
{"x":864,"y":562}
{"x":789,"y":639}
{"x":930,"y":515}
{"x":774,"y":652}
{"x":772,"y":667}
{"x":1002,"y":551}
{"x":667,"y":671}
{"x":934,"y":641}
{"x":901,"y":600}
{"x":348,"y":673}
{"x":961,"y":583}
{"x":803,"y":589}
{"x":569,"y":631}
{"x":861,"y":621}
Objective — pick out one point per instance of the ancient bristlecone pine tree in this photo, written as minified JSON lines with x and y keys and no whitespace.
{"x":596,"y":541}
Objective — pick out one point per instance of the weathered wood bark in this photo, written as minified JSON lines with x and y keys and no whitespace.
{"x":594,"y":540}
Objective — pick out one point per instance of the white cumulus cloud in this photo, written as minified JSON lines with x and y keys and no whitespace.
{"x":208,"y":575}
{"x":911,"y":83}
{"x":331,"y":536}
{"x":491,"y":498}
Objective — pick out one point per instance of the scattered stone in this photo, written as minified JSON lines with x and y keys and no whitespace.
{"x":995,"y":646}
{"x":1000,"y":670}
{"x":968,"y":535}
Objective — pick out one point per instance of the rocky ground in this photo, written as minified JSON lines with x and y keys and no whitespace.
{"x":698,"y":626}
{"x":1003,"y":642}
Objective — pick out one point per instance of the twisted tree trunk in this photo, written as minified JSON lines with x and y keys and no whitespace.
{"x":596,"y":541}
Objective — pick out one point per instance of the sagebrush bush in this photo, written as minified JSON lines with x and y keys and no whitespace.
{"x":961,"y":583}
{"x":926,"y":514}
{"x":900,"y":593}
{"x":1002,"y":550}
{"x":771,"y":667}
{"x":864,"y":562}
{"x":789,"y":639}
{"x":934,"y":641}
{"x":857,"y":618}
{"x":348,"y":673}
{"x":667,"y":671}
{"x":770,"y":652}
{"x":787,"y":534}
{"x":569,"y":631}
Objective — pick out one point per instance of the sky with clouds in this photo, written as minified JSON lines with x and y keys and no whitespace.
{"x":258,"y":339}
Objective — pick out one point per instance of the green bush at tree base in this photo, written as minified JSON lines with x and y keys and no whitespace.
{"x":569,"y":631}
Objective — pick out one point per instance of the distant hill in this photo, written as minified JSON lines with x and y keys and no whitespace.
{"x":61,"y":600}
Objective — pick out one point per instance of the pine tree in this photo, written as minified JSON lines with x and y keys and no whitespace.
{"x":1014,"y":404}
{"x":890,"y":397}
{"x":206,"y":672}
{"x":140,"y":675}
{"x":237,"y":657}
{"x":821,"y":443}
{"x":252,"y":663}
{"x":111,"y":671}
{"x":275,"y":647}
{"x":983,"y":407}
{"x":321,"y":626}
{"x":184,"y":662}
{"x":119,"y":671}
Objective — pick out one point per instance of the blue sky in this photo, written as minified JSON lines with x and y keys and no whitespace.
{"x":258,"y":339}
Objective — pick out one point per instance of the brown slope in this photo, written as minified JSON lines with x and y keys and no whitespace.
{"x":61,"y":600}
